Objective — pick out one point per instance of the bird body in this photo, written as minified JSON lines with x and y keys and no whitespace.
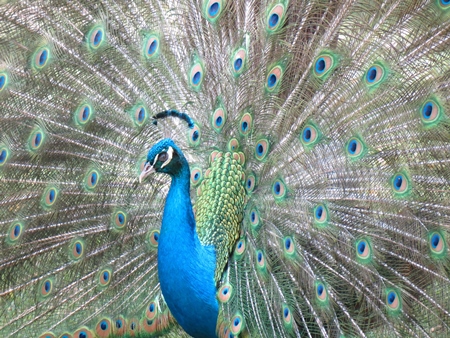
{"x":186,"y":284}
{"x":294,"y":181}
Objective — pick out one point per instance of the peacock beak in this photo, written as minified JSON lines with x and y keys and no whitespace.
{"x":148,"y":169}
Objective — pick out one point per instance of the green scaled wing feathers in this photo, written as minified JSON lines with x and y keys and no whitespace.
{"x":219,"y":208}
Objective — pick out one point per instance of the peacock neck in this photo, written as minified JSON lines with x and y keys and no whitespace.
{"x":185,"y":267}
{"x":178,"y":205}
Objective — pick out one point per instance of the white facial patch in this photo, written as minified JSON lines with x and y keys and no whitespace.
{"x":169,"y":158}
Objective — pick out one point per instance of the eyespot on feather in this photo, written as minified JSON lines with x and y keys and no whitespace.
{"x":239,"y":248}
{"x":239,"y":62}
{"x":219,"y":118}
{"x":164,"y":320}
{"x":375,"y":75}
{"x":443,"y":4}
{"x":288,"y":246}
{"x":250,"y":183}
{"x":194,"y":136}
{"x":279,"y":190}
{"x":363,"y":250}
{"x":323,"y":65}
{"x":41,"y":58}
{"x":149,"y":325}
{"x":431,"y":112}
{"x":152,"y":310}
{"x":77,"y":249}
{"x":83,"y":114}
{"x":120,"y":325}
{"x":222,"y":328}
{"x":153,"y":238}
{"x":47,"y":335}
{"x":310,"y":135}
{"x":393,"y":301}
{"x":287,"y":316}
{"x":91,"y":179}
{"x":321,"y":293}
{"x":46,"y":287}
{"x":437,"y":245}
{"x":237,"y":324}
{"x":260,"y":260}
{"x":321,"y":216}
{"x":139,"y":115}
{"x":95,"y":38}
{"x":36,"y":140}
{"x":49,"y":197}
{"x":254,"y":219}
{"x":260,"y":263}
{"x":83,"y":332}
{"x":119,"y":220}
{"x":246,"y":124}
{"x":104,"y":277}
{"x":15,"y":232}
{"x":355,"y":148}
{"x":261,"y":149}
{"x":212,"y":9}
{"x":275,"y":18}
{"x":436,"y":242}
{"x":214,"y":155}
{"x":150,"y":47}
{"x":4,"y":81}
{"x":196,"y":75}
{"x":224,"y":293}
{"x":273,"y":78}
{"x":227,"y":333}
{"x":5,"y":153}
{"x":233,"y":145}
{"x":104,"y":328}
{"x":133,"y":326}
{"x":401,"y":185}
{"x":196,"y":176}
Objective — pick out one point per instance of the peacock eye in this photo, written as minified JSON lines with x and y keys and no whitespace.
{"x":163,"y":157}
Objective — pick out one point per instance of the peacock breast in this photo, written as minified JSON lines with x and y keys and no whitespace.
{"x":186,"y":275}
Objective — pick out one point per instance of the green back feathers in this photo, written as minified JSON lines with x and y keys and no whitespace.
{"x":220,"y":206}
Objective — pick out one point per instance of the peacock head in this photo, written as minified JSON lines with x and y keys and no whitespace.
{"x":164,"y":157}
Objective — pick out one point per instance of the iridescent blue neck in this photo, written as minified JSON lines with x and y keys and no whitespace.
{"x":185,"y":267}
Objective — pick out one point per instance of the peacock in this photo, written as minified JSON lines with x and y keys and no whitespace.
{"x":224,"y":168}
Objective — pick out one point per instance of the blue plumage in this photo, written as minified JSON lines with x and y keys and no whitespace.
{"x":188,"y":287}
